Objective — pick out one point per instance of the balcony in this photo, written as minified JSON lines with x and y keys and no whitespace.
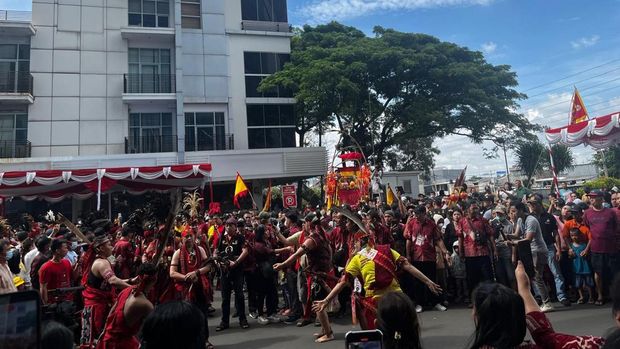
{"x":16,"y":87}
{"x":10,"y":149}
{"x":150,"y":144}
{"x":225,"y":142}
{"x":149,"y":87}
{"x":266,"y":26}
{"x":16,"y":23}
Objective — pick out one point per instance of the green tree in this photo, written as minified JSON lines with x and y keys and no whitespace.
{"x":609,"y":158}
{"x":384,"y":91}
{"x":530,"y":158}
{"x":562,"y":158}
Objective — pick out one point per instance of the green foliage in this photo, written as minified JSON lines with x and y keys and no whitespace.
{"x":603,"y":183}
{"x":562,"y":158}
{"x":529,"y":155}
{"x":397,"y":92}
{"x":610,"y":158}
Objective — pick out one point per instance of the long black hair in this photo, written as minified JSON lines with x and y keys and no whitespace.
{"x":174,"y":325}
{"x":259,"y":235}
{"x":397,"y":319}
{"x":500,"y":317}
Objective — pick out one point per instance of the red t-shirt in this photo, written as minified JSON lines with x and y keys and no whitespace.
{"x":545,"y":336}
{"x":465,"y":231}
{"x":603,"y":228}
{"x":423,"y":237}
{"x":56,"y":275}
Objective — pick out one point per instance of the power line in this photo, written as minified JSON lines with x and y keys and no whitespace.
{"x":573,"y":83}
{"x":572,"y":75}
{"x":531,"y":106}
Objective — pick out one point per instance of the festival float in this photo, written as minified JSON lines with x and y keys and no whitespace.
{"x":348,"y":182}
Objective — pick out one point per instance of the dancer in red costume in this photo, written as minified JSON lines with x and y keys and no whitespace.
{"x":129,"y":312}
{"x":98,"y":281}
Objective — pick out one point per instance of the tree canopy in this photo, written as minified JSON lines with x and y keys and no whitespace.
{"x":394,"y":93}
{"x":533,"y":158}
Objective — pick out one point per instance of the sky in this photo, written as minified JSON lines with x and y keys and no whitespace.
{"x":552,"y":45}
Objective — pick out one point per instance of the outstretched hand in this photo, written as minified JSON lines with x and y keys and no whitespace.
{"x":319,"y":306}
{"x":435,"y":288}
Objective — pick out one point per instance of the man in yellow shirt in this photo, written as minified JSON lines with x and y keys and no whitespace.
{"x":375,"y":267}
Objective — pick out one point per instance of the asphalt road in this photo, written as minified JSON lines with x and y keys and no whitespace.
{"x":450,"y":329}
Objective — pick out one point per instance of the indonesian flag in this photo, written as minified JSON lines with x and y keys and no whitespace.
{"x":241,"y":190}
{"x":267,"y":206}
{"x":578,"y":112}
{"x":389,"y":197}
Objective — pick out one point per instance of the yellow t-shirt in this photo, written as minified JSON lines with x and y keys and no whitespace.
{"x":360,"y":265}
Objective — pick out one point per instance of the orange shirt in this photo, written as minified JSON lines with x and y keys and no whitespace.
{"x":571,"y":224}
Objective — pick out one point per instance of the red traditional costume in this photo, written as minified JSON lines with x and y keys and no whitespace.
{"x":117,"y":334}
{"x":124,"y":253}
{"x":98,"y":298}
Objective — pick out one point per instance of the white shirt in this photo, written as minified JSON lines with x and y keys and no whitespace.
{"x":6,"y":280}
{"x":28,"y":258}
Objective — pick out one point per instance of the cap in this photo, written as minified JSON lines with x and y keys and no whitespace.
{"x":231,"y":220}
{"x":389,"y":213}
{"x":500,"y":209}
{"x":310,"y":217}
{"x":437,"y":218}
{"x":575,"y":208}
{"x":596,"y":194}
{"x":455,"y":244}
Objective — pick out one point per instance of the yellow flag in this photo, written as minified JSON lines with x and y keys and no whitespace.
{"x":390,"y":197}
{"x":267,"y":206}
{"x":241,"y":190}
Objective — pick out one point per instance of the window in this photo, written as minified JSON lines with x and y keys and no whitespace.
{"x":149,"y":71}
{"x":14,"y":67}
{"x":407,"y":186}
{"x":259,"y":65}
{"x":190,"y":14}
{"x":149,"y":13}
{"x":264,"y":10}
{"x":13,"y":135}
{"x":151,"y":133}
{"x":271,"y":126}
{"x":205,"y":131}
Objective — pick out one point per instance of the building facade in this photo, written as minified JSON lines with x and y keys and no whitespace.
{"x":114,"y":83}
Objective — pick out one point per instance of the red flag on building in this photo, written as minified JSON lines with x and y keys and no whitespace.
{"x":578,"y":112}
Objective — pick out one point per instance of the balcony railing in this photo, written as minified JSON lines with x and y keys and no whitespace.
{"x":266,"y":26}
{"x":218,"y":142}
{"x":149,"y":83}
{"x":15,"y":149}
{"x":16,"y":82}
{"x":17,"y":16}
{"x":150,"y":144}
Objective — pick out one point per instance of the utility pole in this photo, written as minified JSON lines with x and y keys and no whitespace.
{"x":506,"y":161}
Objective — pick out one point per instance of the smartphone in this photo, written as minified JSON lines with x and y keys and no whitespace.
{"x":20,"y":320}
{"x":524,"y":254}
{"x":364,"y":339}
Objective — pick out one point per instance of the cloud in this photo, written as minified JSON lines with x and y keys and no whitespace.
{"x":326,"y":10}
{"x":489,"y":47}
{"x":585,"y":42}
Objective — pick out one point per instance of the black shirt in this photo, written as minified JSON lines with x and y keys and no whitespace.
{"x":237,"y":243}
{"x":549,"y":228}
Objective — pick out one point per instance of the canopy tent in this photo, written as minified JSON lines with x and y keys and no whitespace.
{"x":599,"y":133}
{"x":57,"y":185}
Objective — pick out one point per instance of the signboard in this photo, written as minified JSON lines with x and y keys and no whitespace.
{"x":500,"y":173}
{"x":289,"y":196}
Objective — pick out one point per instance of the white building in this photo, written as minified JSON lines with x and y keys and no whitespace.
{"x":118,"y":83}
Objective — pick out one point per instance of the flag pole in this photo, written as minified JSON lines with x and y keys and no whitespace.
{"x":570,"y":107}
{"x":254,"y":206}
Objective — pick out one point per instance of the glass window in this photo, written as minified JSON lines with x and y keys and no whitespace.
{"x":288,"y":137}
{"x":255,"y":115}
{"x":190,"y":139}
{"x":204,"y":118}
{"x":189,"y":119}
{"x":287,"y":114}
{"x":148,"y":6}
{"x":252,"y":62}
{"x":8,"y":51}
{"x":135,"y":19}
{"x":279,"y":11}
{"x":134,"y":119}
{"x":265,"y":10}
{"x":149,"y":21}
{"x":272,"y":138}
{"x":190,"y":22}
{"x":249,"y":10}
{"x":272,"y":115}
{"x":24,"y":52}
{"x":256,"y":138}
{"x":135,"y":6}
{"x":283,"y":58}
{"x":166,"y":119}
{"x":251,"y":86}
{"x":219,"y":118}
{"x":163,"y":8}
{"x":190,"y":14}
{"x":269,"y":63}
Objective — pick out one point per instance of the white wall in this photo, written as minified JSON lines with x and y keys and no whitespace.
{"x":78,"y":59}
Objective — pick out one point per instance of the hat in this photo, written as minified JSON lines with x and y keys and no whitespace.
{"x":596,"y":193}
{"x":231,"y":220}
{"x":575,"y":208}
{"x":264,"y":215}
{"x":389,"y":213}
{"x":500,"y":209}
{"x":455,"y":244}
{"x":437,"y":218}
{"x":310,"y":217}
